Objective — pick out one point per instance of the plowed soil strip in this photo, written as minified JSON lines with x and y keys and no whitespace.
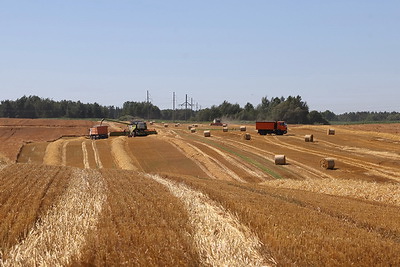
{"x":59,"y":236}
{"x":219,"y":237}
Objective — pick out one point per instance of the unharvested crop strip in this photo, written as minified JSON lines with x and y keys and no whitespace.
{"x":219,"y":236}
{"x":58,"y":237}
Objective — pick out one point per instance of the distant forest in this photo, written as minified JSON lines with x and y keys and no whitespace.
{"x":291,"y":109}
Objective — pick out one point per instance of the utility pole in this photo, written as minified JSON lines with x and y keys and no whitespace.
{"x":148,"y":104}
{"x":173,"y":106}
{"x":186,"y":106}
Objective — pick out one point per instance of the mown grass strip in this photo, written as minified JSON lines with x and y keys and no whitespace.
{"x":245,"y":158}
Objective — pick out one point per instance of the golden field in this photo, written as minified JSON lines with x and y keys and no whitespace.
{"x":181,"y":199}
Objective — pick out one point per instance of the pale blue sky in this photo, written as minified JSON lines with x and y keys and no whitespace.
{"x":339,"y":55}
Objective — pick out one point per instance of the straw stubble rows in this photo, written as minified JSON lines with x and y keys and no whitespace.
{"x":180,"y":198}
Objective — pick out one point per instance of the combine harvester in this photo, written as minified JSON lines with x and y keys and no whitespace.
{"x":134,"y":128}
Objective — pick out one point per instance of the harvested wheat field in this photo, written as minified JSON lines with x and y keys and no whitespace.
{"x":179,"y":198}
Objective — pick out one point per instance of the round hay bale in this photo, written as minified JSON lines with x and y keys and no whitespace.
{"x":280,"y":159}
{"x":193,"y":130}
{"x":195,"y":125}
{"x":165,"y":125}
{"x":243,"y":128}
{"x":177,"y":124}
{"x":225,"y":129}
{"x":331,"y":132}
{"x":327,"y":163}
{"x":207,"y":133}
{"x":247,"y":136}
{"x":224,"y":125}
{"x":309,"y":138}
{"x":190,"y":127}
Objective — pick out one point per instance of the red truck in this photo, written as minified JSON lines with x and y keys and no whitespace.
{"x":98,"y":132}
{"x":271,"y":127}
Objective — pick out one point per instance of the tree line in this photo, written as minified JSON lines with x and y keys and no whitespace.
{"x":291,"y":109}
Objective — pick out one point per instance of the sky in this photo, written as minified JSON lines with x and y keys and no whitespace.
{"x":341,"y":55}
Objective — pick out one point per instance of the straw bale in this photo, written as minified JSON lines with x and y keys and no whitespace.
{"x":177,"y":124}
{"x":165,"y":124}
{"x":327,"y":163}
{"x":190,"y":127}
{"x":207,"y":133}
{"x":309,"y":138}
{"x":247,"y":136}
{"x":224,"y":125}
{"x":331,"y":132}
{"x":225,"y":129}
{"x":280,"y":159}
{"x":193,"y":130}
{"x":243,"y":128}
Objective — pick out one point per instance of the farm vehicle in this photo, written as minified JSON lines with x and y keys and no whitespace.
{"x":217,"y":122}
{"x":134,"y":128}
{"x":271,"y":127}
{"x":98,"y":132}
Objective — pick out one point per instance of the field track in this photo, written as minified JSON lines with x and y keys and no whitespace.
{"x":179,"y":198}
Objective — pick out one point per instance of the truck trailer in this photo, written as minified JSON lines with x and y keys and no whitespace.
{"x":271,"y":127}
{"x":98,"y":132}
